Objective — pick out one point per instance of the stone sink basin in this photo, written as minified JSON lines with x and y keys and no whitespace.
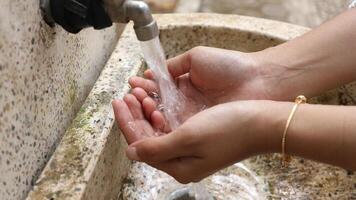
{"x":90,"y":162}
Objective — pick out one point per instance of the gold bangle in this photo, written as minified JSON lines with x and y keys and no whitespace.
{"x":299,"y":100}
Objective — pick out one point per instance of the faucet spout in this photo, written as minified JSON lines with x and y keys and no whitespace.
{"x":139,"y":12}
{"x":75,"y":15}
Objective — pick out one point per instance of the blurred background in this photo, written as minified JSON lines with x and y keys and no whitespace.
{"x":303,"y":12}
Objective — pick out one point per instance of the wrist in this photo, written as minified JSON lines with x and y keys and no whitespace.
{"x":269,"y":125}
{"x":277,"y":77}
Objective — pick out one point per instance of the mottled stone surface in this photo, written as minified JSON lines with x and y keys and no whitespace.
{"x":261,"y":177}
{"x":190,"y":6}
{"x":162,"y":6}
{"x":304,"y":179}
{"x":45,"y":76}
{"x":303,"y":12}
{"x":314,"y":12}
{"x":90,"y":163}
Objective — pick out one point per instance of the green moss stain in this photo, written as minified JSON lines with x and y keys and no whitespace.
{"x":68,"y":165}
{"x":70,"y":96}
{"x":72,"y":91}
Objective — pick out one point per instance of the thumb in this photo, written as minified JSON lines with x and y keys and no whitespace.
{"x":179,"y":65}
{"x":158,"y":149}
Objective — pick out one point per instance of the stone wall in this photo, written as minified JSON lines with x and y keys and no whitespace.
{"x":314,"y":12}
{"x":303,"y":12}
{"x":45,"y":75}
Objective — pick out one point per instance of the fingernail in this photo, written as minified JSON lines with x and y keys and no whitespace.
{"x":132,"y":154}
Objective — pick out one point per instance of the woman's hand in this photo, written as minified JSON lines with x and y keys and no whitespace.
{"x":138,"y":119}
{"x":207,"y":77}
{"x":209,"y":141}
{"x":215,"y":75}
{"x":228,"y":133}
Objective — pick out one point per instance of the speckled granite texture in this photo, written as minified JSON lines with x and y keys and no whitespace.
{"x":45,"y":76}
{"x":90,"y":163}
{"x":162,"y":6}
{"x":314,"y":12}
{"x":303,"y":12}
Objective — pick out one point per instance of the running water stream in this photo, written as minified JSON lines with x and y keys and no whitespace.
{"x":172,"y":99}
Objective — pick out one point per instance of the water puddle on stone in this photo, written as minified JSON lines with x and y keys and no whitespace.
{"x":260,"y":177}
{"x":235,"y":182}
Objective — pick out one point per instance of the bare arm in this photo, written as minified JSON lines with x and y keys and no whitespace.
{"x":242,"y":129}
{"x":318,"y":61}
{"x":323,"y":133}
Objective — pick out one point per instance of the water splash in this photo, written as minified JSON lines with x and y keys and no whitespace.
{"x":172,"y":99}
{"x":235,"y":182}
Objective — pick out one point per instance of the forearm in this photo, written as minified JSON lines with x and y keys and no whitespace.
{"x":326,"y":134}
{"x":320,"y":60}
{"x":322,"y":133}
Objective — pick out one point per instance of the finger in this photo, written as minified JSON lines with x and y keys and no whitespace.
{"x":147,"y":85}
{"x":158,"y":149}
{"x":149,"y":106}
{"x":148,"y":74}
{"x":134,"y":105}
{"x":179,"y":65}
{"x":185,"y":85}
{"x":125,"y":121}
{"x":159,"y":122}
{"x":139,"y":93}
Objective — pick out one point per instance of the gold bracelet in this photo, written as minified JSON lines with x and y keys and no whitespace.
{"x":299,"y":100}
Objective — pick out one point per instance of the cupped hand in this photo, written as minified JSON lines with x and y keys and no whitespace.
{"x":207,"y":77}
{"x":137,"y":118}
{"x":207,"y":142}
{"x":211,"y":76}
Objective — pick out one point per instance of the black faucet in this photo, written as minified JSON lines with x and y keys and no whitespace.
{"x":75,"y":15}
